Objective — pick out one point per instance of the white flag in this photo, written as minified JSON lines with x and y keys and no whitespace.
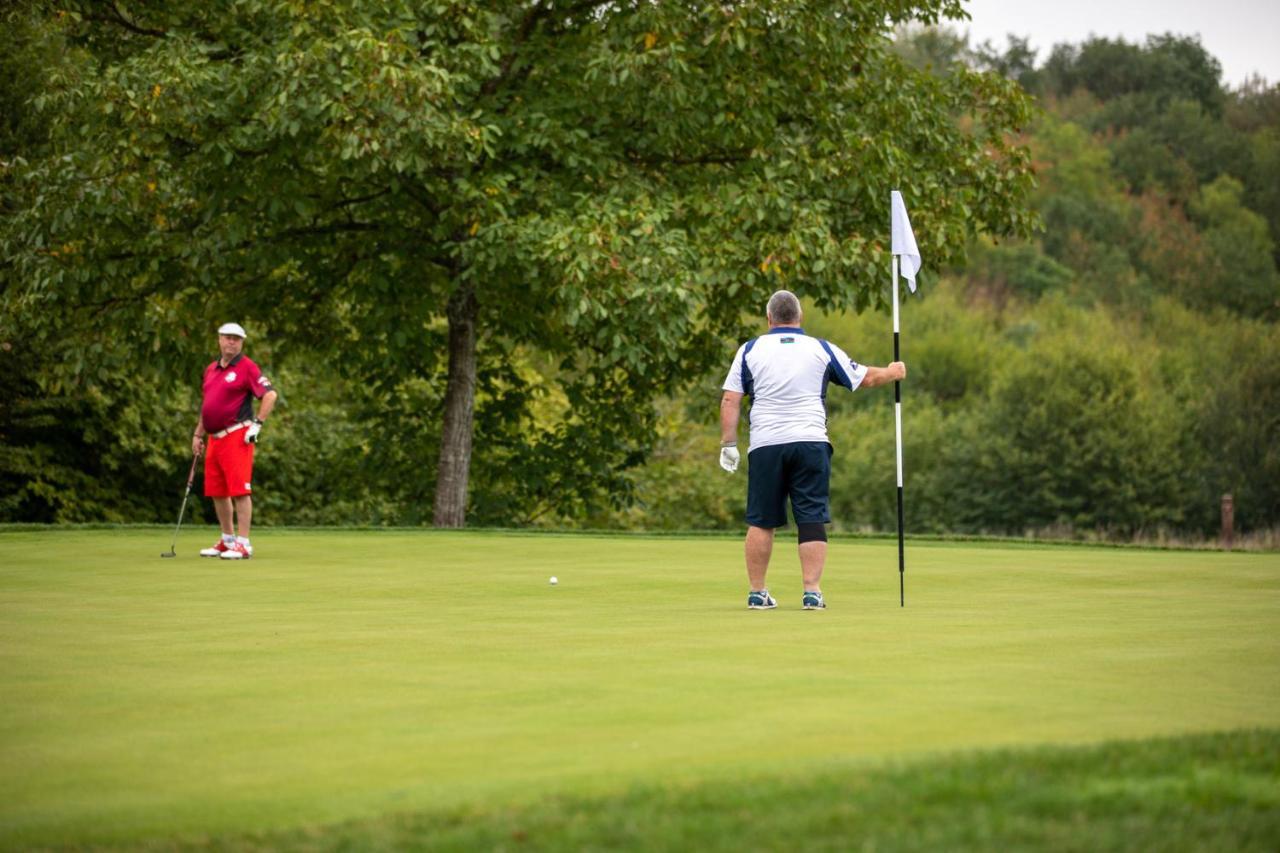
{"x":904,"y":242}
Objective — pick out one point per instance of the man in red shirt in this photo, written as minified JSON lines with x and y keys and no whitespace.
{"x":227,"y":418}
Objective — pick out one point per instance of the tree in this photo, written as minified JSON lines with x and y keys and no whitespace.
{"x":1243,"y":270}
{"x":448,"y":193}
{"x":933,"y":49}
{"x":1072,"y":435}
{"x":1017,"y":62}
{"x":1167,"y":67}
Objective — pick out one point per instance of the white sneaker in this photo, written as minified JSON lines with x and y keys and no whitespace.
{"x":237,"y":551}
{"x":813,"y":601}
{"x":216,"y":551}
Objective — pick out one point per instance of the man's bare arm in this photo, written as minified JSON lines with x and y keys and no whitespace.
{"x":730,"y":411}
{"x":877,"y":376}
{"x":268,"y":403}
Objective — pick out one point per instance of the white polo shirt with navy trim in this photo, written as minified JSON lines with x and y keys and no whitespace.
{"x":786,"y":373}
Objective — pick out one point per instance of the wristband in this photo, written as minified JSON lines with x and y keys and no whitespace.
{"x":728,"y":444}
{"x":258,"y":421}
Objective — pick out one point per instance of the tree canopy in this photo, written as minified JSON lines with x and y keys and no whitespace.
{"x":502,"y":207}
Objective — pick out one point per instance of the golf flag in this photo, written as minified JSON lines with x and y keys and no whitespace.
{"x":904,"y":241}
{"x":906,"y":260}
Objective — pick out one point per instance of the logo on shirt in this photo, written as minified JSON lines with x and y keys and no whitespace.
{"x":231,"y":377}
{"x":788,"y":340}
{"x":264,"y":382}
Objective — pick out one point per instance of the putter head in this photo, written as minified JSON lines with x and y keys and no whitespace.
{"x":169,"y":554}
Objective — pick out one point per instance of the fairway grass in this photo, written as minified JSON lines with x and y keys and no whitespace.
{"x":1196,"y":793}
{"x":343,"y":677}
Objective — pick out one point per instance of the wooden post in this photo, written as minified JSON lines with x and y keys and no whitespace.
{"x":1228,"y":521}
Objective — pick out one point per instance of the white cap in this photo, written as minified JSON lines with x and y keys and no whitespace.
{"x":232,"y":329}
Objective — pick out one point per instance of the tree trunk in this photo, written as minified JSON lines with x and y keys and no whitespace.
{"x":454,"y":469}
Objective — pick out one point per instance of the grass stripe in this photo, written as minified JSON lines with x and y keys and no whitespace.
{"x":1203,"y":793}
{"x":1244,"y":543}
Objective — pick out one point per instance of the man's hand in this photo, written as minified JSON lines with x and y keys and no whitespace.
{"x":729,"y":458}
{"x":197,"y":445}
{"x":251,"y":434}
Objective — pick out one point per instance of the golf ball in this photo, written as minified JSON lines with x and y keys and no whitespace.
{"x":554,"y":581}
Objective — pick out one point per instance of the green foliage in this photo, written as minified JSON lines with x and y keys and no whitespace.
{"x":1077,"y":194}
{"x":1243,"y":272}
{"x":1262,"y":185}
{"x":1017,"y":270}
{"x":1091,"y":225}
{"x":938,"y":50}
{"x":333,"y":178}
{"x":1070,"y":437}
{"x":1166,"y":68}
{"x":1017,"y":61}
{"x":1184,"y":144}
{"x":101,"y":452}
{"x":1169,"y":122}
{"x":25,"y":53}
{"x":611,"y":185}
{"x":1235,"y":420}
{"x":680,"y":486}
{"x":1021,"y":417}
{"x":1147,"y":163}
{"x":1127,"y":215}
{"x":318,"y":465}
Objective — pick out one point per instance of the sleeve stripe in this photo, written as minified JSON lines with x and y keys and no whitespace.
{"x":748,"y":381}
{"x":837,"y":371}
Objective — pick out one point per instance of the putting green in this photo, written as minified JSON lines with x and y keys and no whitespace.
{"x":345,"y":675}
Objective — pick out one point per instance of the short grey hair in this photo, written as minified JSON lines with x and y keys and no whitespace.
{"x":783,"y":308}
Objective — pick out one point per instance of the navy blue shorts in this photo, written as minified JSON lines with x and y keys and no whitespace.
{"x":800,"y":470}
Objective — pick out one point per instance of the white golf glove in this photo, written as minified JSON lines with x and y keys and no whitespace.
{"x":251,"y":434}
{"x":729,"y":458}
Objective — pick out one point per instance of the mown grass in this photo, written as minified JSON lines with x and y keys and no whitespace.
{"x":1202,"y":792}
{"x":1267,"y":540}
{"x":340,"y":678}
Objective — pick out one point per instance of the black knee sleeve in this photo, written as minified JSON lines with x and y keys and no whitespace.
{"x":811,"y":532}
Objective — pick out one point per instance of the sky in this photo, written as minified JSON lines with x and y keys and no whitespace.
{"x":1243,"y":35}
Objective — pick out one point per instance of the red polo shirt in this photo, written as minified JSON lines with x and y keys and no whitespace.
{"x":229,"y":392}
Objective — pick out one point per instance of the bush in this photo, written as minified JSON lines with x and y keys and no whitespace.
{"x":1072,"y":436}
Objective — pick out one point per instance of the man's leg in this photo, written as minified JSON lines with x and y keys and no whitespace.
{"x":244,"y":514}
{"x":223,"y":507}
{"x":759,"y":548}
{"x":215,"y":484}
{"x":811,"y":501}
{"x":766,"y":511}
{"x":813,"y":556}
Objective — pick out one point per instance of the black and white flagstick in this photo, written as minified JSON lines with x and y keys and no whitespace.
{"x":897,"y":421}
{"x":904,"y":246}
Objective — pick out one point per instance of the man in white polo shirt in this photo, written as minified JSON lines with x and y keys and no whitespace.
{"x":786,"y":373}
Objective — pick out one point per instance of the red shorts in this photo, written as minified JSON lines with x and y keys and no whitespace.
{"x":228,"y":466}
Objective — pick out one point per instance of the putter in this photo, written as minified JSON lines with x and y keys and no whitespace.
{"x":173,"y":552}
